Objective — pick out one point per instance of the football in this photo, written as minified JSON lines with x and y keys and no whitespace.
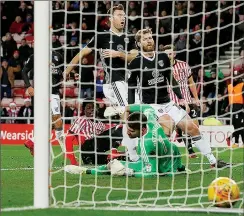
{"x":223,"y":192}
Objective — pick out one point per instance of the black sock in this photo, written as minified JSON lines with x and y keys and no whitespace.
{"x":187,"y":141}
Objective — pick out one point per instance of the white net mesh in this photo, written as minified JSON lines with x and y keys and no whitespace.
{"x":206,"y":35}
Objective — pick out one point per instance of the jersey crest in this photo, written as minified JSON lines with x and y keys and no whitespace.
{"x":120,"y":47}
{"x":161,"y":63}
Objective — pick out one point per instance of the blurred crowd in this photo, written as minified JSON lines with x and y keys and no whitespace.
{"x":201,"y":31}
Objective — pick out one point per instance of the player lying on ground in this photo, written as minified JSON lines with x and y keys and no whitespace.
{"x":157,"y":156}
{"x":56,"y":70}
{"x":112,"y":42}
{"x":152,"y":69}
{"x":85,"y":131}
{"x":183,"y":75}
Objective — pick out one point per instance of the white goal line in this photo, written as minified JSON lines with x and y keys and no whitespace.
{"x":156,"y":209}
{"x":56,"y":168}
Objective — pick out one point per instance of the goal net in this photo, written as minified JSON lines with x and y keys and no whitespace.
{"x":209,"y":37}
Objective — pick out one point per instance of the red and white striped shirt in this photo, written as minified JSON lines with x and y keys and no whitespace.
{"x":86,"y":127}
{"x":181,"y":73}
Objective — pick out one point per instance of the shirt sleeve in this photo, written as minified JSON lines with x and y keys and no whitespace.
{"x":96,"y":41}
{"x":138,"y":107}
{"x":134,"y":75}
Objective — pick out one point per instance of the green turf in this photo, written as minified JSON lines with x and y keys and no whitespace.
{"x":17,"y":185}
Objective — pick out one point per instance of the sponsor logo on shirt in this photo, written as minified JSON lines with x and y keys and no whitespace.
{"x":157,"y":78}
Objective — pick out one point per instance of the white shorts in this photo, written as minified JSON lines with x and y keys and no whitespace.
{"x":117,"y":93}
{"x":55,"y":104}
{"x":171,"y":109}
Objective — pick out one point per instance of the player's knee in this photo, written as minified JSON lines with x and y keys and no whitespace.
{"x":57,"y":121}
{"x":193,"y":129}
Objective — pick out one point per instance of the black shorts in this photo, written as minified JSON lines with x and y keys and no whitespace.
{"x":194,"y":111}
{"x":94,"y":151}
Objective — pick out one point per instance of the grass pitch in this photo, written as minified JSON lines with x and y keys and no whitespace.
{"x":104,"y":191}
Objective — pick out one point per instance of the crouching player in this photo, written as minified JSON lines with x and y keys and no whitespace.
{"x":157,"y":155}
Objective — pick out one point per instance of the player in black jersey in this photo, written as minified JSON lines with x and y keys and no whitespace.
{"x":113,"y":47}
{"x":57,"y":76}
{"x":153,"y":70}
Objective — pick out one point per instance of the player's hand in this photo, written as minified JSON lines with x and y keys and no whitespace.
{"x":197,"y":102}
{"x":30,"y":91}
{"x":76,"y":76}
{"x":108,"y":53}
{"x":66,"y":76}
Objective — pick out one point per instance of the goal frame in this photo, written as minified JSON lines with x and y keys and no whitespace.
{"x":41,"y":103}
{"x":42,"y":58}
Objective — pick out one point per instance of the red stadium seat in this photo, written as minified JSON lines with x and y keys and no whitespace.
{"x":69,"y":92}
{"x":6,"y":101}
{"x":19,"y":101}
{"x":18,"y":92}
{"x":76,"y":92}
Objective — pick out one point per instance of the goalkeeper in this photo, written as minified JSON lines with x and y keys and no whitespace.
{"x":157,"y":155}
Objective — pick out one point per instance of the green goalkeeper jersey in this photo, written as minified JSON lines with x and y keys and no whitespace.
{"x":157,"y":153}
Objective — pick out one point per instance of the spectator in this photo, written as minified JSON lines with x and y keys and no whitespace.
{"x":165,"y":21}
{"x":24,"y":50}
{"x":180,"y":21}
{"x":133,"y":20}
{"x":23,"y":10}
{"x":206,"y":112}
{"x":9,"y":46}
{"x":213,"y":85}
{"x":7,"y":78}
{"x":15,"y":61}
{"x":56,"y":42}
{"x":3,"y":113}
{"x":86,"y":79}
{"x":26,"y":111}
{"x":28,"y":27}
{"x":16,"y":26}
{"x":12,"y":112}
{"x":4,"y":21}
{"x":99,"y":85}
{"x":72,"y":50}
{"x":73,"y":32}
{"x":210,"y":42}
{"x":180,"y":45}
{"x":164,"y":37}
{"x":195,"y":50}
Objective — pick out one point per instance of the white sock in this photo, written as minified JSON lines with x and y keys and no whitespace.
{"x":60,"y":139}
{"x":204,"y":148}
{"x":130,"y":145}
{"x":58,"y":133}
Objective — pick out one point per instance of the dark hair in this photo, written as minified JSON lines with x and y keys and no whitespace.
{"x":137,"y":120}
{"x":88,"y":101}
{"x":168,"y":47}
{"x":114,"y":8}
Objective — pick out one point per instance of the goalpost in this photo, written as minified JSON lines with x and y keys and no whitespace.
{"x":41,"y":103}
{"x":59,"y":189}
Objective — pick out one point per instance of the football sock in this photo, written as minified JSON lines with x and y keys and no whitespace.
{"x":69,"y":149}
{"x":204,"y":148}
{"x":59,"y":133}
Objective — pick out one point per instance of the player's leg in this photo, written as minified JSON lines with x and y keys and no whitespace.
{"x":56,"y":119}
{"x":117,"y":93}
{"x":69,"y":154}
{"x":186,"y":124}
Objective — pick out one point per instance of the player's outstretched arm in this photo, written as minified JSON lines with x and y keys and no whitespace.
{"x":27,"y":68}
{"x":193,"y":89}
{"x":84,"y":52}
{"x":128,"y":56}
